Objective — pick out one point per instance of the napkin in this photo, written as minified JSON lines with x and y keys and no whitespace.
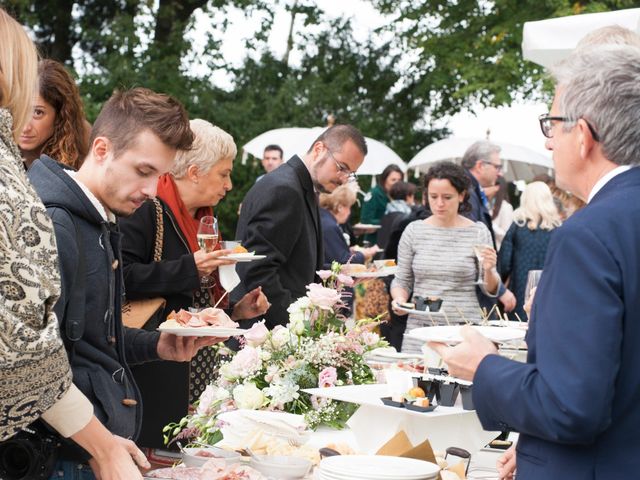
{"x":229,"y":279}
{"x":400,"y":446}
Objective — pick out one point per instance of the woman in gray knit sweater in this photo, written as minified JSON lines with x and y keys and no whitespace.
{"x":436,"y":256}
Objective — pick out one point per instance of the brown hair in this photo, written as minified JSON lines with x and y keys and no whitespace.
{"x":342,"y":195}
{"x":127,"y":113}
{"x":18,"y":64}
{"x":68,"y":144}
{"x":335,"y":137}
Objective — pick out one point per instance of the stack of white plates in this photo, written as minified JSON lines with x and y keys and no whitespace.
{"x":375,"y":467}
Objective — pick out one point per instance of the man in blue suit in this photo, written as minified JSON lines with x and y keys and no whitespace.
{"x":576,"y":402}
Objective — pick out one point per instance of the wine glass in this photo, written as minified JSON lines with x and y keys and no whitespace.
{"x":533,"y":278}
{"x":478,"y":247}
{"x":207,"y":240}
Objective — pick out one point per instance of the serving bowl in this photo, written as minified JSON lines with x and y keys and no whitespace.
{"x":281,"y":467}
{"x":191,"y":458}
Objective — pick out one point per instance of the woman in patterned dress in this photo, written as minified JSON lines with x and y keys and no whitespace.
{"x":198,"y":181}
{"x":436,"y":256}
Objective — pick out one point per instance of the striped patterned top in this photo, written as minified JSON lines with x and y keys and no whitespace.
{"x":440,"y":262}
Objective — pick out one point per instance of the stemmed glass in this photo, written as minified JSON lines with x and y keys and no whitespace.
{"x":207,"y":240}
{"x":478,"y":247}
{"x":533,"y":278}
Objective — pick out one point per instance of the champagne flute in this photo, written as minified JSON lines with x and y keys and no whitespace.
{"x":478,"y":248}
{"x":207,"y":240}
{"x":533,"y":278}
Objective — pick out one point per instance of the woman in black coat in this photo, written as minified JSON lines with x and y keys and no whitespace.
{"x":199,"y":179}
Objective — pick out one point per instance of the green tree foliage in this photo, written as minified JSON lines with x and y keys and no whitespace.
{"x":470,"y":51}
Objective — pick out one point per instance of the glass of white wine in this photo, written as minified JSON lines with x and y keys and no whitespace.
{"x":478,"y":248}
{"x":207,"y":240}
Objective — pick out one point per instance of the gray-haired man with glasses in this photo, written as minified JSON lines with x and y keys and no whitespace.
{"x":280,"y":218}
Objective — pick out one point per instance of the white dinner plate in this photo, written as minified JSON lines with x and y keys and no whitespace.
{"x":390,"y":353}
{"x":508,"y":323}
{"x":385,"y":272}
{"x":243,"y":257}
{"x":366,"y":226}
{"x":203,"y":331}
{"x":422,"y":313}
{"x":377,"y":467}
{"x":450,"y":334}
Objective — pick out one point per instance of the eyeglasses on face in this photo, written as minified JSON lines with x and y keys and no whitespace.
{"x":497,"y":166}
{"x":342,"y":168}
{"x":546,"y":124}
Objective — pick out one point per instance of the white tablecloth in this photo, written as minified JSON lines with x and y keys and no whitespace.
{"x":374,"y":423}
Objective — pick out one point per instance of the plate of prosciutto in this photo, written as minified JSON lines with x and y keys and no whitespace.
{"x":209,"y":322}
{"x":214,"y":469}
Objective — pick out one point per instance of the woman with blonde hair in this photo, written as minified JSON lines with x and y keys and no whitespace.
{"x":198,"y":181}
{"x":35,"y":377}
{"x":335,"y":209}
{"x":525,"y":245}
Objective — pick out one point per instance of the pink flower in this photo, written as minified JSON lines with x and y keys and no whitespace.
{"x":322,"y":297}
{"x":247,"y":361}
{"x":257,"y":334}
{"x":324,"y":274}
{"x":346,"y":280}
{"x":327,"y":377}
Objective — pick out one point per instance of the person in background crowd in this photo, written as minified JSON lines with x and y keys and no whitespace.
{"x":483,"y":167}
{"x":272,"y":158}
{"x":35,"y":377}
{"x":280,"y":219}
{"x":375,"y":202}
{"x":199,"y":180}
{"x":57,"y":127}
{"x":575,"y":400}
{"x":134,"y":140}
{"x":525,"y":244}
{"x":401,"y":205}
{"x":335,"y":209}
{"x":436,"y":256}
{"x":501,"y":209}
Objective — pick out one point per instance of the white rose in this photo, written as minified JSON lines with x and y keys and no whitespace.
{"x":296,"y":325}
{"x":228,"y":372}
{"x":265,"y":355}
{"x":280,"y":337}
{"x":248,"y":396}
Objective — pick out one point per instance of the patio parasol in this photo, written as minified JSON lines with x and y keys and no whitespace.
{"x":546,"y":42}
{"x":298,"y":140}
{"x":520,"y":163}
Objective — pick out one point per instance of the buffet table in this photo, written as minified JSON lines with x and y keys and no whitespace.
{"x":374,"y":423}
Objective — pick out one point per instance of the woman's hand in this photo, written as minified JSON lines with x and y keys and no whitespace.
{"x":253,"y":304}
{"x":506,"y":464}
{"x":397,"y":309}
{"x":182,"y":349}
{"x":208,"y":262}
{"x":370,"y":252}
{"x":489,"y":259}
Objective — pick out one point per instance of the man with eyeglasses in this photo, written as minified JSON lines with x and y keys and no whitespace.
{"x":280,"y":219}
{"x":575,"y":401}
{"x":483,"y":166}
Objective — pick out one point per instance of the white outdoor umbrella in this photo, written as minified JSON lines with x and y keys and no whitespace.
{"x":546,"y":42}
{"x":296,"y":141}
{"x":520,"y":163}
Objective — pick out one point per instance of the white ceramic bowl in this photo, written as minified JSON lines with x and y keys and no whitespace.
{"x":191,"y":459}
{"x":281,"y":467}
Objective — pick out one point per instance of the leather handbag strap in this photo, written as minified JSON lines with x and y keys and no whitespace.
{"x":157,"y":249}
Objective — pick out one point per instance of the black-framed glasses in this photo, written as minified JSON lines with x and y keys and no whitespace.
{"x":546,"y":124}
{"x":342,"y":168}
{"x":497,"y":166}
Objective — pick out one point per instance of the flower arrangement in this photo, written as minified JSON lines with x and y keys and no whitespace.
{"x":319,"y":347}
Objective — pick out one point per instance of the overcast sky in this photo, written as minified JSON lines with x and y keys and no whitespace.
{"x":517,"y":124}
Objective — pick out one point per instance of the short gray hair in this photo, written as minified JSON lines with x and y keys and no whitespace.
{"x":211,"y":145}
{"x":480,"y":150}
{"x":610,"y":35}
{"x":602,"y":86}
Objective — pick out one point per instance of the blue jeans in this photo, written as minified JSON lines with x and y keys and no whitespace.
{"x":69,"y":470}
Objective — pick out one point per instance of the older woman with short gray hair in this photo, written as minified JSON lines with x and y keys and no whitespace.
{"x":199,"y":180}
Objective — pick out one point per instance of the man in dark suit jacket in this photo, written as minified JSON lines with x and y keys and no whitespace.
{"x":483,"y":166}
{"x":575,"y":401}
{"x":280,"y":219}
